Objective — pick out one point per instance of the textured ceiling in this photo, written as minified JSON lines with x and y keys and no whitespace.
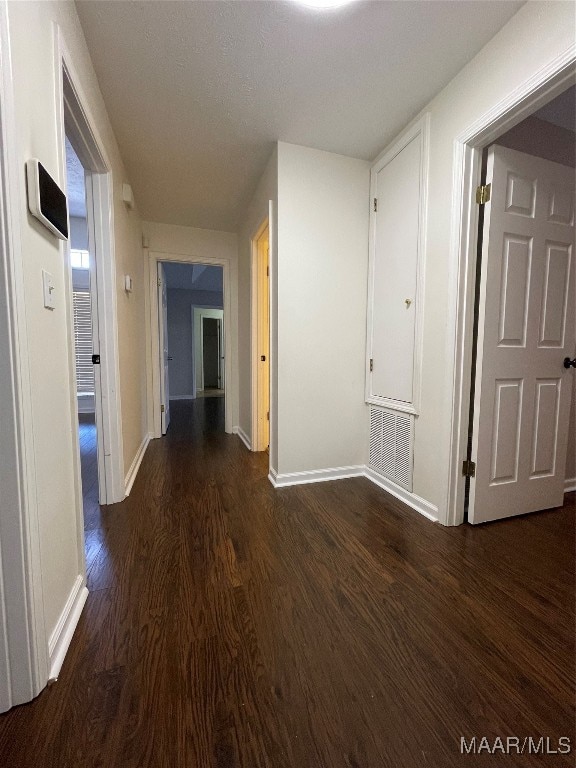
{"x":198,"y":92}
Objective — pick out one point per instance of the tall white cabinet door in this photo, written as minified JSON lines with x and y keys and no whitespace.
{"x":398,"y":192}
{"x":526,"y":329}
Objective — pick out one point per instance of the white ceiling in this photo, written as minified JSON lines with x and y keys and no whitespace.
{"x":561,"y":110}
{"x":193,"y":277}
{"x":198,"y":92}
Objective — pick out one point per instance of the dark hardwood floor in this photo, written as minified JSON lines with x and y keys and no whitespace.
{"x":230,"y":625}
{"x":89,"y":468}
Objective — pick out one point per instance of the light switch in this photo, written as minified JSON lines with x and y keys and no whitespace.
{"x":49,"y":290}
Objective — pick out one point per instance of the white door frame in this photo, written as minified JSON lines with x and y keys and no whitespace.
{"x":546,"y":84}
{"x":198,"y":315}
{"x":23,"y":641}
{"x":254,"y":305}
{"x":75,"y":120}
{"x":162,"y":294}
{"x":153,"y":332}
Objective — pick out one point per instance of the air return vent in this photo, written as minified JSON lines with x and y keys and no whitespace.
{"x":391,"y":445}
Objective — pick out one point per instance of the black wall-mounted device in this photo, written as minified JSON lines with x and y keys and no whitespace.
{"x":46,"y":201}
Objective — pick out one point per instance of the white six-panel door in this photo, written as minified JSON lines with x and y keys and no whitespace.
{"x":526,"y":328}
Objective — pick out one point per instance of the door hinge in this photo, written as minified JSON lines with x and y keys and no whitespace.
{"x":162,"y":408}
{"x":483,"y":194}
{"x":267,"y":271}
{"x":469,"y":468}
{"x":371,"y":365}
{"x":375,"y":205}
{"x":159,"y":283}
{"x":268,"y":415}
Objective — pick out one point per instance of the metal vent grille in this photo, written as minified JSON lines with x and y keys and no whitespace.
{"x":391,"y":445}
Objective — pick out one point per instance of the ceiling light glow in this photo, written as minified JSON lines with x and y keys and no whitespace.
{"x":324,"y":4}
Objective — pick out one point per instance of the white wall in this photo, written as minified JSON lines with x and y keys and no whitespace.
{"x":322,"y":285}
{"x":536,"y":35}
{"x":78,"y":233}
{"x":254,"y":215}
{"x":34,"y":74}
{"x":180,"y":336}
{"x":173,"y":241}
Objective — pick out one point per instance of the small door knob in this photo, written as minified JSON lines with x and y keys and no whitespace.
{"x":407,"y":302}
{"x":569,"y":363}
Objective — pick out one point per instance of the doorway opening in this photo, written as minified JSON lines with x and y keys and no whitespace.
{"x":191,"y":333}
{"x":76,"y":132}
{"x":520,"y":458}
{"x":208,"y":327}
{"x":261,"y":338}
{"x":525,"y":100}
{"x":85,"y":319}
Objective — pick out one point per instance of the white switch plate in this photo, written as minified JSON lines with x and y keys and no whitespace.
{"x":49,"y":290}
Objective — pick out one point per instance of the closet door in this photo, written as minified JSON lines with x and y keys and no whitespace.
{"x":398,"y":187}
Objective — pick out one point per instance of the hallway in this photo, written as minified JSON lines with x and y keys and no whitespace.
{"x":319,"y":626}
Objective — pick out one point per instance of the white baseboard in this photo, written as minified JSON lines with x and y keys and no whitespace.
{"x":182,"y":397}
{"x":570,"y":485}
{"x":411,"y":499}
{"x":243,"y":436}
{"x":64,"y":630}
{"x":340,"y":473}
{"x":135,"y":466}
{"x":314,"y":476}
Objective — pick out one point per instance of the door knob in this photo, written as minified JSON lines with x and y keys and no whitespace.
{"x":407,"y":302}
{"x":569,"y":363}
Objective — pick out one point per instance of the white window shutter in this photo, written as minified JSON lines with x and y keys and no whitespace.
{"x":83,"y":342}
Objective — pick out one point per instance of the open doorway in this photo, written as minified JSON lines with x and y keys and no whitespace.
{"x":85,"y":326}
{"x":208,"y":327}
{"x":191,"y":334}
{"x":210,"y":357}
{"x":166,"y":384}
{"x":92,"y":323}
{"x":520,"y":454}
{"x":261,"y":339}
